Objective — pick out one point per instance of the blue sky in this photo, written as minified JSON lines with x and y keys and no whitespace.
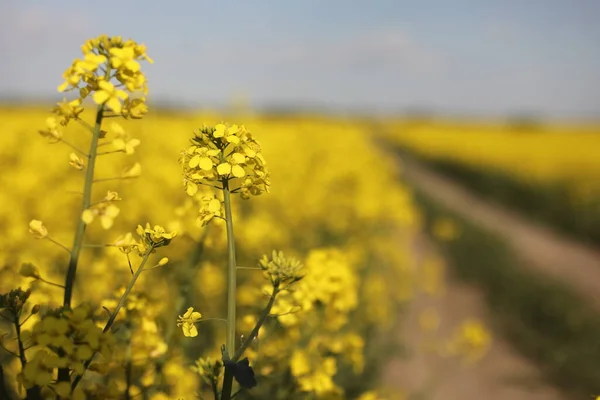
{"x":480,"y":57}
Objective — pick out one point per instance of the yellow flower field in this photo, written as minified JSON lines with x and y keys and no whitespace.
{"x":134,"y":292}
{"x":550,"y":153}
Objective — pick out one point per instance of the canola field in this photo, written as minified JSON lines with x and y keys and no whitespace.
{"x":163,"y":255}
{"x":553,"y":153}
{"x":548,"y":171}
{"x":321,"y":208}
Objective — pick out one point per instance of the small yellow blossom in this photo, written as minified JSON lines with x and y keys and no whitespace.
{"x":282,"y":269}
{"x":134,"y":108}
{"x":110,"y":96}
{"x":210,"y":207}
{"x":133,"y":172}
{"x":51,"y":132}
{"x":163,"y":261}
{"x":76,"y":162}
{"x":124,"y":57}
{"x":38,"y":229}
{"x":186,"y":322}
{"x":156,"y":237}
{"x":123,"y":141}
{"x":125,"y":243}
{"x":106,"y":213}
{"x":68,"y":110}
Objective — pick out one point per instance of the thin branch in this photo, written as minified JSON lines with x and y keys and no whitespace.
{"x":82,"y":122}
{"x":110,"y":152}
{"x":114,"y":314}
{"x":129,"y":262}
{"x":51,"y":283}
{"x":12,"y":353}
{"x":114,"y":178}
{"x":77,"y":149}
{"x":56,"y":242}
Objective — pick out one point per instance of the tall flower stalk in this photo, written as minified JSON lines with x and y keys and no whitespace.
{"x":110,"y":72}
{"x":229,"y":159}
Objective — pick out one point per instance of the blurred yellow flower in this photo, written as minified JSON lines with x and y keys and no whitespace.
{"x":123,"y":141}
{"x":38,"y":229}
{"x":76,"y":162}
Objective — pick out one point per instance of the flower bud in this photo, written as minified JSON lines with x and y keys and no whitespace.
{"x":28,"y":270}
{"x":38,"y":229}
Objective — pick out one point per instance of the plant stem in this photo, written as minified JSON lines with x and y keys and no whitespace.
{"x":231,"y":271}
{"x":87,"y":194}
{"x":20,"y":342}
{"x":231,"y":289}
{"x":35,"y":391}
{"x":261,"y":320}
{"x":114,"y":314}
{"x":228,"y":377}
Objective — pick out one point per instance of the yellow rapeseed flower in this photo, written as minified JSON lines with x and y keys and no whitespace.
{"x":110,"y":96}
{"x":186,"y":322}
{"x":38,"y":229}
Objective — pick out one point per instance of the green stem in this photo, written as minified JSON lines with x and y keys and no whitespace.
{"x":35,"y":391}
{"x":87,"y":194}
{"x":231,"y":271}
{"x":228,"y":377}
{"x":261,"y":320}
{"x":114,"y":314}
{"x":231,"y":290}
{"x":20,"y":342}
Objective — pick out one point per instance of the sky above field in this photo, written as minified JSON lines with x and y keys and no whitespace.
{"x":481,"y":57}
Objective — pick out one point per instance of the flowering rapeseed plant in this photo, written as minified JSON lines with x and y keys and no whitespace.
{"x":354,"y":250}
{"x":65,"y":339}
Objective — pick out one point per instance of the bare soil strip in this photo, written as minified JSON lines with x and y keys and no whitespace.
{"x":545,"y":251}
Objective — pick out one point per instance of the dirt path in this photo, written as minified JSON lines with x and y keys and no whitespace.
{"x":502,"y":374}
{"x":577,"y":265}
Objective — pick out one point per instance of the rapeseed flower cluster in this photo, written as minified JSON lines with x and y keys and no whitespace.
{"x":110,"y":71}
{"x":63,"y":339}
{"x":222,"y":153}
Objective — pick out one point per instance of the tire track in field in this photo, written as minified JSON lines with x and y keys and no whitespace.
{"x":545,"y":251}
{"x":500,"y":375}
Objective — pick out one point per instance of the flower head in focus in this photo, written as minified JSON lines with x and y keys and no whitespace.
{"x":187,"y":321}
{"x":110,"y":72}
{"x":155,"y":236}
{"x":281,"y":269}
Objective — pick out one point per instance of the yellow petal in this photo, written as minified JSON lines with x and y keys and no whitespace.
{"x":114,"y":104}
{"x":206,"y":163}
{"x":106,"y":221}
{"x":118,"y":144}
{"x":224,"y":169}
{"x":87,"y":216}
{"x":194,"y":161}
{"x":196,"y":315}
{"x":189,"y":330}
{"x":214,"y":206}
{"x":191,"y":189}
{"x":100,"y":97}
{"x":238,"y":171}
{"x":238,"y":158}
{"x":188,"y":313}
